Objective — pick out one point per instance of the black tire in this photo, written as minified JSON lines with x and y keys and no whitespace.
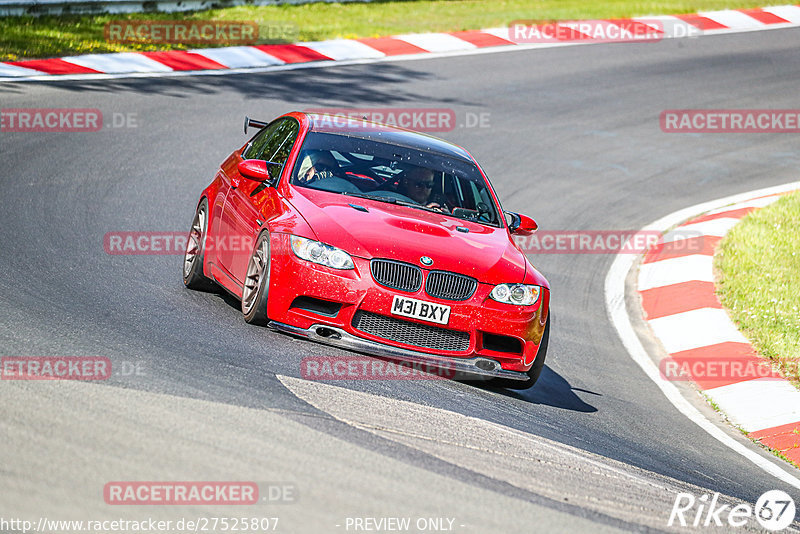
{"x":193,"y":276}
{"x":535,"y":370}
{"x":256,"y":282}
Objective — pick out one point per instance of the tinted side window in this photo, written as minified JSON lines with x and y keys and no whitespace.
{"x":285,"y":136}
{"x":256,"y":146}
{"x":274,"y":142}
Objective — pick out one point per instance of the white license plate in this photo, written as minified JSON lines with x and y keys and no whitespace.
{"x":419,"y":309}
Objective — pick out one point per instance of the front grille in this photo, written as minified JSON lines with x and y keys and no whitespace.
{"x":450,"y":286}
{"x":408,"y":333}
{"x":397,"y":275}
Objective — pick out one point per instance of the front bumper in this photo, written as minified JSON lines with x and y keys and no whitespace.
{"x":355,"y":290}
{"x":463,"y":367}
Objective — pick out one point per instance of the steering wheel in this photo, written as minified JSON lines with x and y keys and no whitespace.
{"x":484,"y":213}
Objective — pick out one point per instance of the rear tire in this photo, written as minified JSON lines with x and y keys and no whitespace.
{"x":535,"y":370}
{"x":193,"y":276}
{"x":256,"y":282}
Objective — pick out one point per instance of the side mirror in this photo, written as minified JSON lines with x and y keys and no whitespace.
{"x":259,"y":170}
{"x":521,"y":224}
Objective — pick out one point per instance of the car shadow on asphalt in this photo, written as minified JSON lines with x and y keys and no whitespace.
{"x":551,"y":389}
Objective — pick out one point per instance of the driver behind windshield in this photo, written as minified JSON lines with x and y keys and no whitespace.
{"x":317,"y":165}
{"x":417,"y":184}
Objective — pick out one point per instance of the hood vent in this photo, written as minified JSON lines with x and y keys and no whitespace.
{"x":359,"y":208}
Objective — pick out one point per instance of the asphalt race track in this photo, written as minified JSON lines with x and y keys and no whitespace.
{"x":573,"y":140}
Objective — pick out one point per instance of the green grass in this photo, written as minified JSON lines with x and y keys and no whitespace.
{"x":713,"y":404}
{"x":51,"y":36}
{"x":758,"y":266}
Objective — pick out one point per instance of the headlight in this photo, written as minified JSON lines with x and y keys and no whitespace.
{"x":519,"y":294}
{"x":317,"y":252}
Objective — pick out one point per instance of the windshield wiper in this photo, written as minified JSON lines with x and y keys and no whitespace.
{"x":391,"y":200}
{"x":421,"y":207}
{"x":475,"y":219}
{"x":388,"y":200}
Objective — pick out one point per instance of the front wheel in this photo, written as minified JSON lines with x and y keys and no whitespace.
{"x":535,"y":370}
{"x":256,"y":282}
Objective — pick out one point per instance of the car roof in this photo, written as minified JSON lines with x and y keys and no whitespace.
{"x":383,"y":133}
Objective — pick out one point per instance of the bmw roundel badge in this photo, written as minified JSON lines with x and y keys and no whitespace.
{"x":425,"y":260}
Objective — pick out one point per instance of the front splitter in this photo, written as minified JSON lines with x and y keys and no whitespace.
{"x":463,"y":368}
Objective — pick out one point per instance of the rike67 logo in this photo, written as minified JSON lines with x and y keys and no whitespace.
{"x":774,"y":511}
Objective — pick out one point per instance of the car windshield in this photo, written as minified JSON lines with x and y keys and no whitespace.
{"x":388,"y":172}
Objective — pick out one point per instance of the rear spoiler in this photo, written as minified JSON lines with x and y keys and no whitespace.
{"x":254,"y":123}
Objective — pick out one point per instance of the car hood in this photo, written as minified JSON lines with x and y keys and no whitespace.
{"x":406,"y":234}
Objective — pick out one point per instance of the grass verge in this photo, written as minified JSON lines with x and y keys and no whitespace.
{"x":758,"y":266}
{"x":51,"y":36}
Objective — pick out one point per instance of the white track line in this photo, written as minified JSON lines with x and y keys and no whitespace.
{"x":121,"y":62}
{"x":694,"y":329}
{"x":618,"y":313}
{"x":732,"y":19}
{"x":714,"y":227}
{"x":436,"y":42}
{"x":235,"y":57}
{"x":790,"y":13}
{"x":755,"y":203}
{"x":744,"y":403}
{"x":343,"y":49}
{"x":696,"y":267}
{"x":14,"y":70}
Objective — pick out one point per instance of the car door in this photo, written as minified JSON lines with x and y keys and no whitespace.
{"x":248,"y":203}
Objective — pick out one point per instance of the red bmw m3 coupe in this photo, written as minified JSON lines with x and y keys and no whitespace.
{"x":374,"y":239}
